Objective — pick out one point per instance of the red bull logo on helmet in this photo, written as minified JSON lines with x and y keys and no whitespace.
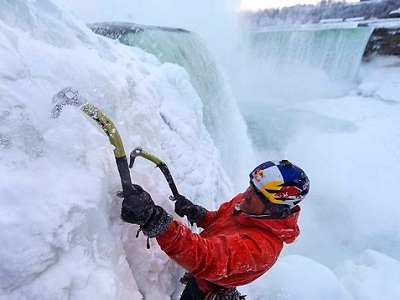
{"x":258,"y":174}
{"x":288,"y":192}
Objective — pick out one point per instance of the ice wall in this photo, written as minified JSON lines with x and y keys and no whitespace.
{"x":221,"y":115}
{"x":60,"y":230}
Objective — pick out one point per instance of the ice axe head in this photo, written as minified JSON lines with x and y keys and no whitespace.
{"x":66,"y":96}
{"x":135,"y":153}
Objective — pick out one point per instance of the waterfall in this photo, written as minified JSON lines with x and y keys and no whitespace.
{"x":221,"y":114}
{"x":336,"y":51}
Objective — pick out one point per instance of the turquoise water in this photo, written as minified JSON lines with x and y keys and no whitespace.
{"x":187,"y":50}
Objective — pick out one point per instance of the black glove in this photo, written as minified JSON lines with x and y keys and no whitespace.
{"x":140,"y":209}
{"x":184,"y":207}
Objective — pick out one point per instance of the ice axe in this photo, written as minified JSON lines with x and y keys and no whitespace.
{"x":68,"y":96}
{"x":138,"y":151}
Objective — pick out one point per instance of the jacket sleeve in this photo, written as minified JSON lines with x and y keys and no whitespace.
{"x":224,"y":260}
{"x":211,"y":216}
{"x":208,"y":218}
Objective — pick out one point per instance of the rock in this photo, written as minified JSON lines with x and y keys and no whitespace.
{"x":383,"y":41}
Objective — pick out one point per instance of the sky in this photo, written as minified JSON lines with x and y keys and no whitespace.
{"x":262,"y":4}
{"x":60,"y":230}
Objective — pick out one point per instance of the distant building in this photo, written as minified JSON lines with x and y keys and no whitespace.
{"x":357,"y":19}
{"x":329,"y":21}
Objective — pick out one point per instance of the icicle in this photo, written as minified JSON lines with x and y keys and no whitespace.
{"x":138,"y":232}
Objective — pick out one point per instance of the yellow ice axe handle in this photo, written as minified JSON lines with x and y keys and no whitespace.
{"x":163,"y":167}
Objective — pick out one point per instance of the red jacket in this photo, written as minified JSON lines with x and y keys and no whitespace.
{"x":233,"y":249}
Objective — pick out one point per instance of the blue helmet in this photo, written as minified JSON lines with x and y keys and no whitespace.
{"x":280,"y":182}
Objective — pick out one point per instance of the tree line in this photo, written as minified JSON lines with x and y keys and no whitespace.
{"x":325,"y":10}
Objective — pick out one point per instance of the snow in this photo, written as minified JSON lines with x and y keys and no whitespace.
{"x":396,"y":11}
{"x":60,"y":230}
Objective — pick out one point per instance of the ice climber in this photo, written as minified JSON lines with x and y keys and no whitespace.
{"x":240,"y":241}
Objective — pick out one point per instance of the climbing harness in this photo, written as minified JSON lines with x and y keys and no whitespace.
{"x":219,"y":292}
